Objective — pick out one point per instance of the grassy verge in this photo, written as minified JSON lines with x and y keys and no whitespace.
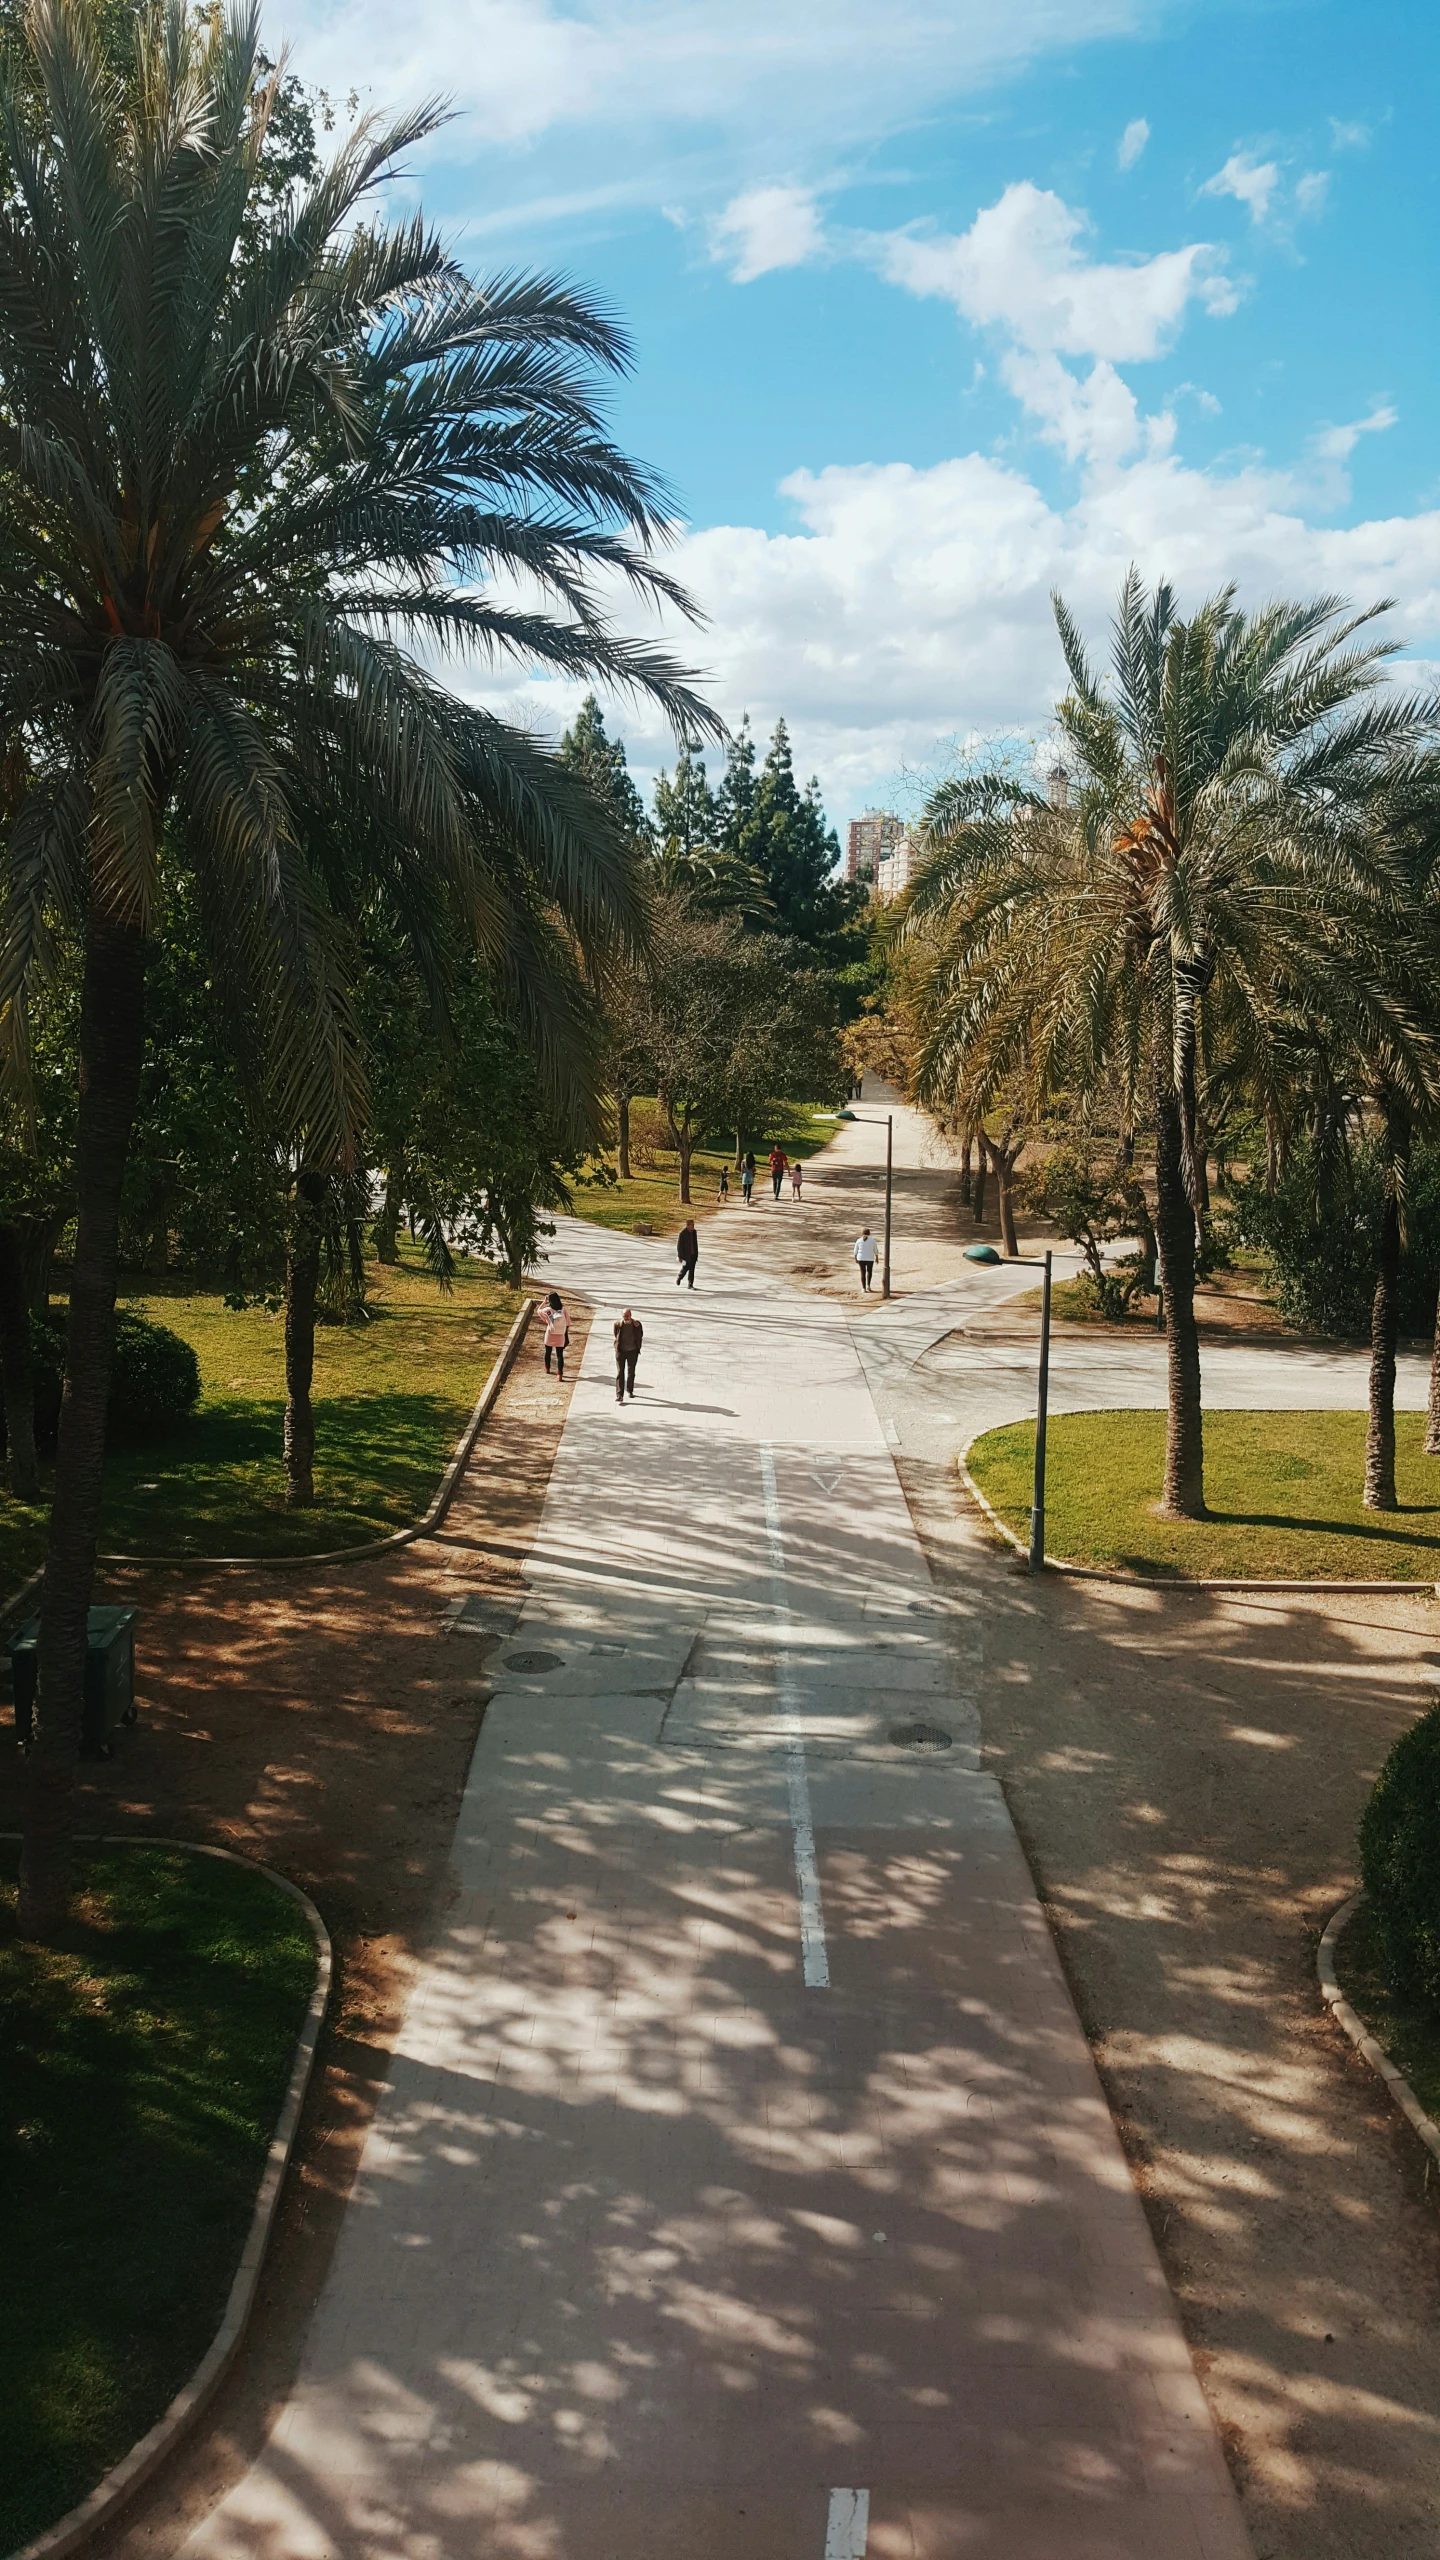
{"x":146,"y":2062}
{"x":1283,"y":1491}
{"x":649,"y":1203}
{"x":1409,"y":2035}
{"x":391,"y":1398}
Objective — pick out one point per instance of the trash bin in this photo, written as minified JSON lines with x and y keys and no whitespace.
{"x":109,"y":1698}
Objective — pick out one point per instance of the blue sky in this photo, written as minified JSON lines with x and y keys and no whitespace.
{"x":940,"y":303}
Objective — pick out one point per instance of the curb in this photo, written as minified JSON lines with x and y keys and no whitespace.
{"x":135,"y":2468}
{"x":1180,"y":1583}
{"x":15,"y":1601}
{"x":1359,"y":2034}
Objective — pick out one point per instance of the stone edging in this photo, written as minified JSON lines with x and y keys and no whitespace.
{"x":1359,"y":2034}
{"x":1161,"y":1581}
{"x":21,"y":1597}
{"x":136,"y":2466}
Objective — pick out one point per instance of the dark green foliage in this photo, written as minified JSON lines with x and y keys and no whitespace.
{"x":146,"y":2061}
{"x":206,"y":1185}
{"x":769,"y":822}
{"x":1400,"y":1861}
{"x":154,"y":1385}
{"x":1324,"y":1241}
{"x":600,"y":762}
{"x":468,"y":1131}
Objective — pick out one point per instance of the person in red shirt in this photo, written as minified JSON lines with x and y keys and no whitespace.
{"x":778,"y":1162}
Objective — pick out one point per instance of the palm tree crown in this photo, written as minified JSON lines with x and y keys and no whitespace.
{"x":257,"y":474}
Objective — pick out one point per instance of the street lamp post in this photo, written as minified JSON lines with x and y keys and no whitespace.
{"x":1042,"y":1407}
{"x":889,"y":1188}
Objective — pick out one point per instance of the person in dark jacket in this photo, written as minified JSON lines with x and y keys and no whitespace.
{"x":629,"y":1334}
{"x":687,"y":1248}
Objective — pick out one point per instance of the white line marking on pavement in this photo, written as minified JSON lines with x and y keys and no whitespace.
{"x":815,"y":1961}
{"x":848,"y":2528}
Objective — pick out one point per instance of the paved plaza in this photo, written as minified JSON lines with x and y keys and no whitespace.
{"x":743,"y":2189}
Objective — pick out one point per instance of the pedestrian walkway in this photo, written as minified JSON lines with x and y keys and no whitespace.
{"x":743,"y":2190}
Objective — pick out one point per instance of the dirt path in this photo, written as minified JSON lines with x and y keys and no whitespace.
{"x":1187,"y":1774}
{"x":322,"y":1722}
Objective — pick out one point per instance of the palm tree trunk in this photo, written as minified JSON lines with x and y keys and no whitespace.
{"x":302,"y":1282}
{"x":17,"y":1371}
{"x":1183,"y":1493}
{"x":1432,"y":1410}
{"x":966,"y":1175}
{"x":112,"y":1032}
{"x":1384,"y":1334}
{"x":982,"y":1163}
{"x":1005,"y":1160}
{"x":622,"y":1131}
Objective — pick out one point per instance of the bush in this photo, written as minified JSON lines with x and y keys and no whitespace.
{"x":1323,"y":1252}
{"x":1400,"y":1861}
{"x":154,"y":1386}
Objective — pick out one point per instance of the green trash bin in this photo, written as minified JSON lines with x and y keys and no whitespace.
{"x":109,"y":1679}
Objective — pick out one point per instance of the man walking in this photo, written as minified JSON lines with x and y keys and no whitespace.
{"x":778,"y":1162}
{"x":865,"y":1256}
{"x":629,"y":1334}
{"x":687,"y":1248}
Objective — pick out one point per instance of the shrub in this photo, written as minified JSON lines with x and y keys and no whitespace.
{"x":1323,"y":1249}
{"x":154,"y":1386}
{"x":1400,"y":1861}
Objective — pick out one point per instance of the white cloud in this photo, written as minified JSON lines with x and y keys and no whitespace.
{"x":1253,"y":183}
{"x":1132,"y":142}
{"x":911,"y":605}
{"x":764,"y":228}
{"x":754,"y":69}
{"x":1349,"y":137}
{"x":1020,"y":267}
{"x":1336,"y":444}
{"x":1311,"y":191}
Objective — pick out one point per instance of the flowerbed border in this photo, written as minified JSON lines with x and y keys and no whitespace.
{"x":1365,"y":2044}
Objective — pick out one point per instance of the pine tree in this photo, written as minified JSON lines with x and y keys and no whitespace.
{"x":786,"y":838}
{"x":685,"y":819}
{"x":600,"y":761}
{"x":735,"y":799}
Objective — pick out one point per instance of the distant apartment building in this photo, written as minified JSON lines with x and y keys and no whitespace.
{"x":871,"y":837}
{"x":896,"y":868}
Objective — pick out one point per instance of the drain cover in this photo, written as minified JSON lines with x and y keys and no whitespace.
{"x":533,"y":1661}
{"x":920,"y":1737}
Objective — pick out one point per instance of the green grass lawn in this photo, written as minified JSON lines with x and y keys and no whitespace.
{"x":391,"y":1399}
{"x":649,"y":1203}
{"x":1283,"y":1490}
{"x":1409,"y":2034}
{"x":146,"y":2063}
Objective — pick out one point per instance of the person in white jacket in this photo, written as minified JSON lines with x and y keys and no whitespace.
{"x":865,"y":1256}
{"x":557,"y":1331}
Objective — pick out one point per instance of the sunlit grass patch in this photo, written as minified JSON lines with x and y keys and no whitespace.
{"x":391,"y":1398}
{"x":1283,"y":1490}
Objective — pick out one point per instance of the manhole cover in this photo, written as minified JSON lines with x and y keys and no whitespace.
{"x":920,"y":1737}
{"x":533,"y":1661}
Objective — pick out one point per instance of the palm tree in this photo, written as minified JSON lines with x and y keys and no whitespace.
{"x":253,"y":455}
{"x":1209,"y":881}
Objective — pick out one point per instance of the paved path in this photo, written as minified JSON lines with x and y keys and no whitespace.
{"x":744,"y":2190}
